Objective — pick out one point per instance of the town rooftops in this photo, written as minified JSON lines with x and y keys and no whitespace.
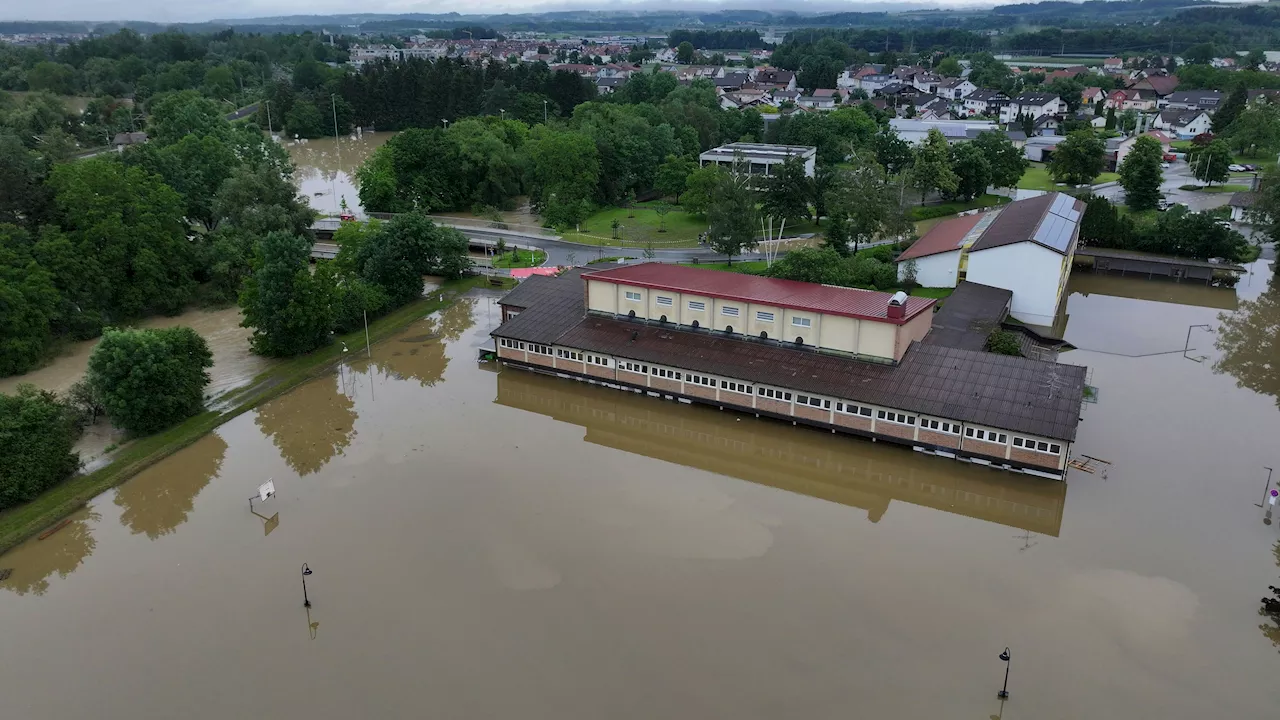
{"x":1050,"y":220}
{"x":827,"y":299}
{"x":1035,"y":98}
{"x":1179,"y":118}
{"x":759,"y":151}
{"x":1207,"y":99}
{"x":946,"y":236}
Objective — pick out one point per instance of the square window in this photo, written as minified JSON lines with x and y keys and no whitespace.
{"x":633,"y":296}
{"x":801,"y":322}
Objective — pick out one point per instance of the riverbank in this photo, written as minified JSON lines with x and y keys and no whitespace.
{"x":19,"y":523}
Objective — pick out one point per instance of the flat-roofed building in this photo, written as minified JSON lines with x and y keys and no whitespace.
{"x":758,"y":158}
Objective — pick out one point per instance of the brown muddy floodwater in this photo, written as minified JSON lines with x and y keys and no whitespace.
{"x":498,"y":544}
{"x":326,"y":169}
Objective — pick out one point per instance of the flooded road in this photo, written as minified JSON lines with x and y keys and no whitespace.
{"x":325,"y":169}
{"x":499,"y":544}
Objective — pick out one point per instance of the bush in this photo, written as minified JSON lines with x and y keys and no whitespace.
{"x":36,"y":433}
{"x":1004,"y":342}
{"x":150,"y":379}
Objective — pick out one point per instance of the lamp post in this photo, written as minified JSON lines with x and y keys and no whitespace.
{"x":544,"y":112}
{"x":306,"y":602}
{"x":1004,"y":692}
{"x":1266,"y":487}
{"x":446,"y":123}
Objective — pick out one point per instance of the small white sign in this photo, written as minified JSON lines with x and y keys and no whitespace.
{"x":1272,"y":499}
{"x":266,"y":490}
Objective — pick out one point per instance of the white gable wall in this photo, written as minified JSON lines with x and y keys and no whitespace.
{"x":1035,"y":275}
{"x":938,"y":270}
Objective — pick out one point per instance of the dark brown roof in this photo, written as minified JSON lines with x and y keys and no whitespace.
{"x":968,"y":316}
{"x":1243,"y":199}
{"x":1009,"y":393}
{"x":851,"y":302}
{"x":1051,"y":220}
{"x":943,"y":237}
{"x":537,"y":288}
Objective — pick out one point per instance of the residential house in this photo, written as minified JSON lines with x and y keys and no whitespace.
{"x":781,"y":79}
{"x":1224,"y":63}
{"x":851,"y":78}
{"x":985,"y":102}
{"x":820,"y":99}
{"x":915,"y":130}
{"x":606,"y":85}
{"x":1119,"y":148}
{"x":1092,"y":97}
{"x":1240,"y":204}
{"x":926,"y":82}
{"x":1025,"y":247}
{"x":1113,"y":64}
{"x":731,"y":81}
{"x":781,"y":96}
{"x":956,"y":88}
{"x":1161,"y":85}
{"x":1264,"y":95}
{"x":873,"y":84}
{"x":1035,"y":104}
{"x":744,"y":99}
{"x":1066,"y":73}
{"x":124,"y":140}
{"x":1206,"y":100}
{"x":759,"y":158}
{"x":1185,"y":124}
{"x":1039,"y":148}
{"x":1136,"y":100}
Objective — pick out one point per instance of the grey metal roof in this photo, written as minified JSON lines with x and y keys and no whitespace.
{"x":970,"y":315}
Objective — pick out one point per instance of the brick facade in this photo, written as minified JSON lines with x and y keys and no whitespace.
{"x":774,"y":406}
{"x":982,"y":447}
{"x":812,"y":413}
{"x":634,"y":378}
{"x":543,"y":360}
{"x":700,"y":391}
{"x":857,"y":422}
{"x":1039,"y":459}
{"x":933,"y":437}
{"x":664,"y":384}
{"x":600,"y":372}
{"x":907,"y":432}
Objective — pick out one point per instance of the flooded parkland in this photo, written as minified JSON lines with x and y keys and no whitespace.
{"x":491,"y":543}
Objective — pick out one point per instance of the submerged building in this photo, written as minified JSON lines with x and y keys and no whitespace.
{"x":845,"y":360}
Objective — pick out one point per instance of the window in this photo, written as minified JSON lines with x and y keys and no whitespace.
{"x":851,"y":409}
{"x":893,"y":417}
{"x":700,"y":380}
{"x":665,"y":373}
{"x":697,"y":305}
{"x":730,"y":311}
{"x":633,"y":296}
{"x":539,"y":349}
{"x":633,"y":367}
{"x":513,"y":344}
{"x":568,"y":354}
{"x":1037,"y":445}
{"x":941,"y":426}
{"x":774,"y":394}
{"x":735,"y":387}
{"x":664,"y":301}
{"x":989,"y":436}
{"x":801,"y":322}
{"x":598,"y":360}
{"x":813,"y":402}
{"x":764,"y":317}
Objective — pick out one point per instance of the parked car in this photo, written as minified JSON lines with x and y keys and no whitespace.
{"x":1165,"y":165}
{"x":1170,"y":157}
{"x":1236,"y":168}
{"x":1250,"y":168}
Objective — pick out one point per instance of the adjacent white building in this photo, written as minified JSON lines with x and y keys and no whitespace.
{"x":759,"y":158}
{"x":1035,"y":104}
{"x":1184,"y":124}
{"x":1025,"y":247}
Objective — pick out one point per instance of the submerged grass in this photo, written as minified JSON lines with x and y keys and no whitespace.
{"x":22,"y":522}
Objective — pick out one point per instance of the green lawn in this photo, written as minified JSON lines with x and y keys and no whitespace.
{"x":935,"y":293}
{"x":682,"y":229}
{"x":749,"y":267}
{"x":1037,"y":178}
{"x":926,"y":212}
{"x":520,"y":259}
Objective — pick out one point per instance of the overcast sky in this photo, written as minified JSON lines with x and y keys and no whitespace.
{"x":170,"y":11}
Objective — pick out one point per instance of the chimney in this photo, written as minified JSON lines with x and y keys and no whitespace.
{"x":897,"y":306}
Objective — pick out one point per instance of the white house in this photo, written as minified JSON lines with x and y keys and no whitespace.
{"x":1025,"y":247}
{"x":982,"y":102}
{"x":956,"y":88}
{"x":1183,"y":123}
{"x":1035,"y":104}
{"x":1240,"y":204}
{"x":758,"y":158}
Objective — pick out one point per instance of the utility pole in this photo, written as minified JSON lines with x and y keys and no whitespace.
{"x":267,"y":103}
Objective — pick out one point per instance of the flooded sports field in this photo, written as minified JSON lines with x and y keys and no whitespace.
{"x":487,"y":542}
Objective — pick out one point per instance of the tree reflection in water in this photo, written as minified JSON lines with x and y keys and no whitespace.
{"x":158,"y":499}
{"x":419,"y":353}
{"x":1271,"y":629}
{"x":1250,"y":342}
{"x":310,"y":424}
{"x":32,"y":562}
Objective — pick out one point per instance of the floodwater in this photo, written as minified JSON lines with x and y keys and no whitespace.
{"x":499,"y":544}
{"x":325,"y":169}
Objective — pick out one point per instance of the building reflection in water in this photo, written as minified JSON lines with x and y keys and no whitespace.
{"x":32,"y":563}
{"x":837,"y":468}
{"x":157,"y":500}
{"x":311,"y":423}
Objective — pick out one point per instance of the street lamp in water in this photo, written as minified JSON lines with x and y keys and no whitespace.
{"x":306,"y":602}
{"x":1004,"y":692}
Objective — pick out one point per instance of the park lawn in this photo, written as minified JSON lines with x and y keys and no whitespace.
{"x":946,"y":209}
{"x":1037,"y":178}
{"x":682,"y":228}
{"x":748,"y":267}
{"x":935,"y":293}
{"x":520,"y":259}
{"x":1216,"y":188}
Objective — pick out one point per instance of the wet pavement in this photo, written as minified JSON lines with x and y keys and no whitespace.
{"x":492,"y":543}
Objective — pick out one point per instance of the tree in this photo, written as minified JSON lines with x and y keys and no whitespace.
{"x":863,"y":195}
{"x":949,"y":67}
{"x":1256,"y":131}
{"x":731,"y":216}
{"x":825,"y":266}
{"x":37,"y":434}
{"x":931,"y":166}
{"x":259,"y":201}
{"x":892,"y":152}
{"x":1210,"y":163}
{"x":786,"y":191}
{"x":684,"y":53}
{"x":1249,"y":339}
{"x":672,"y":176}
{"x":698,"y":188}
{"x":148,"y":380}
{"x":184,"y":113}
{"x":400,"y":252}
{"x":662,"y":209}
{"x":1265,"y":213}
{"x":563,"y":172}
{"x":1199,"y":54}
{"x":837,"y":235}
{"x":1007,"y":161}
{"x":29,"y":304}
{"x":1230,"y":110}
{"x":1111,"y":118}
{"x":972,"y":170}
{"x":1140,"y":174}
{"x":57,"y":78}
{"x":1078,"y":159}
{"x":288,"y":308}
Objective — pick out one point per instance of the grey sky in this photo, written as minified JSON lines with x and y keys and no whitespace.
{"x":170,"y":11}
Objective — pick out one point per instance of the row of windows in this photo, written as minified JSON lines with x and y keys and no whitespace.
{"x":940,"y":426}
{"x":633,"y":367}
{"x":735,"y":386}
{"x":700,"y":380}
{"x":774,"y":394}
{"x":726,"y":310}
{"x":894,"y":417}
{"x":513,"y":344}
{"x":852,"y":409}
{"x":813,"y":402}
{"x":568,"y":354}
{"x":1037,"y":445}
{"x":988,"y":435}
{"x":598,"y":360}
{"x":539,"y":349}
{"x":665,"y":373}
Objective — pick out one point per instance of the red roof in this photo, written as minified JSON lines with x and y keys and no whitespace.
{"x":943,"y":237}
{"x":828,"y":299}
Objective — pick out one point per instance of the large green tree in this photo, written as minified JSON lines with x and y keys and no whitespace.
{"x":1140,"y":174}
{"x":29,"y":304}
{"x":732,"y":216}
{"x":400,"y":252}
{"x":1078,"y":159}
{"x":1256,"y":131}
{"x":563,"y":169}
{"x":1230,"y":110}
{"x":673,"y":175}
{"x":862,"y":194}
{"x":972,"y":169}
{"x":698,"y":187}
{"x":1008,"y":162}
{"x":288,"y":308}
{"x":931,"y":166}
{"x":786,"y":191}
{"x":37,"y":434}
{"x":148,"y":380}
{"x":1211,"y":163}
